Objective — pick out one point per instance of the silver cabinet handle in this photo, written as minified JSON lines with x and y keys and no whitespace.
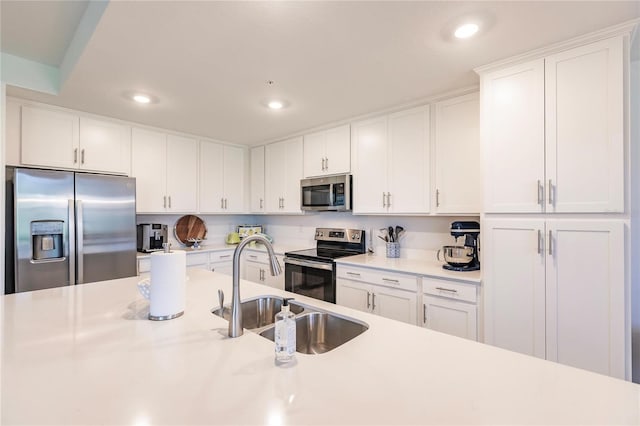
{"x":283,"y":202}
{"x":550,"y":243}
{"x":384,"y":202}
{"x":222,"y":203}
{"x":164,"y":203}
{"x":323,"y":164}
{"x":253,"y":256}
{"x":355,"y":274}
{"x":326,"y":163}
{"x":225,"y":203}
{"x":437,"y":198}
{"x":447,"y":289}
{"x":261,"y":203}
{"x":389,"y":280}
{"x":82,"y":156}
{"x":368,"y":300}
{"x":551,"y":197}
{"x":373,"y":301}
{"x":539,"y":241}
{"x":75,"y":156}
{"x":224,"y":256}
{"x":540,"y":192}
{"x":169,"y":201}
{"x":213,"y":269}
{"x":388,"y":199}
{"x":424,"y":313}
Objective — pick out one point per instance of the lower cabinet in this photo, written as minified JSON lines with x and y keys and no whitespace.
{"x":450,"y":307}
{"x":221,"y":261}
{"x":217,"y":261}
{"x":257,"y":270}
{"x":383,"y":293}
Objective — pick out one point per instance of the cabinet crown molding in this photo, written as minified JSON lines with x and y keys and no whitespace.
{"x":623,"y":29}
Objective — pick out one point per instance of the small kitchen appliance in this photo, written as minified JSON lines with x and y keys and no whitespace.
{"x":312,"y":272}
{"x":151,"y":237}
{"x":463,"y":258}
{"x":329,"y":193}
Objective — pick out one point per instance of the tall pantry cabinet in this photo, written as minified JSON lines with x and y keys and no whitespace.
{"x":553,"y":137}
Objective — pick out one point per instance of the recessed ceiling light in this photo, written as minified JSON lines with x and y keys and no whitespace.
{"x":275,"y":104}
{"x":141,"y":99}
{"x":466,"y":30}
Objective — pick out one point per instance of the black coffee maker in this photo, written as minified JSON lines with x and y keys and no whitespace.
{"x":470,"y":231}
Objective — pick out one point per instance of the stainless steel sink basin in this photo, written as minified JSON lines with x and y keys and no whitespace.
{"x":259,"y":312}
{"x":320,"y":332}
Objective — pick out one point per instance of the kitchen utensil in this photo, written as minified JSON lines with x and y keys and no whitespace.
{"x":382,"y":239}
{"x":391,"y":236}
{"x":456,"y":255}
{"x":221,"y":299}
{"x":399,"y":231}
{"x":385,"y":234}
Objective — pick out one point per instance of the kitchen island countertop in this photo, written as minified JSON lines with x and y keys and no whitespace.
{"x":86,"y":355}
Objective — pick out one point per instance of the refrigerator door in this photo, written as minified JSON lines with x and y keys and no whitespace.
{"x":105,"y":227}
{"x":43,"y":214}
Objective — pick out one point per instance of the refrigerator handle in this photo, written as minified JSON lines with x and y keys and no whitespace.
{"x":79,"y":241}
{"x":71,"y":241}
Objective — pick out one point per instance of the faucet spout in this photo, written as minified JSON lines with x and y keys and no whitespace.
{"x":235,"y":322}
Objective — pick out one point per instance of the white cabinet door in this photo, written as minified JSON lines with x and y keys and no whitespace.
{"x":338,"y":150}
{"x":274,"y":170}
{"x":257,"y":180}
{"x":457,"y":155}
{"x":314,"y":154}
{"x":182,"y":174}
{"x":293,"y":174}
{"x":148,"y":166}
{"x":254,"y":272}
{"x":234,"y":179}
{"x":353,"y":294}
{"x":409,"y":165}
{"x":104,"y":146}
{"x":585,"y":128}
{"x":396,"y":304}
{"x":370,"y":166}
{"x":513,"y":265}
{"x":512,"y":135}
{"x":222,"y":268}
{"x":278,"y":280}
{"x":586,"y":295}
{"x":450,"y":316}
{"x":283,"y":171}
{"x":211,"y":186}
{"x":49,"y":138}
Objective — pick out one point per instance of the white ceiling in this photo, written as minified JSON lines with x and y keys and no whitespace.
{"x":208,"y":62}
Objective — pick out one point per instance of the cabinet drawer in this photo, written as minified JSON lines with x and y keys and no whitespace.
{"x":378,"y":277}
{"x":222,"y":256}
{"x":450,"y":289}
{"x":254,"y":256}
{"x":197,"y":259}
{"x":144,"y":265}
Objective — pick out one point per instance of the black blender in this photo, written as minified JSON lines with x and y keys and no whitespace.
{"x":463,"y":258}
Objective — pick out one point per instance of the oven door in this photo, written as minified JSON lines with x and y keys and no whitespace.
{"x":310,"y":278}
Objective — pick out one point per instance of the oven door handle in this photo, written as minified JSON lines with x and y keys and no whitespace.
{"x":310,"y":264}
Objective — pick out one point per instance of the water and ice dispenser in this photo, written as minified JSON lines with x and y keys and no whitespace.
{"x":47,"y":240}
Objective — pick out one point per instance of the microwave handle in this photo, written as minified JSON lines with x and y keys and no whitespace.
{"x":331,"y":197}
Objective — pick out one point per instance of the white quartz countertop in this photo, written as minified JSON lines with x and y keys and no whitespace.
{"x":87,"y":355}
{"x":424,"y":266}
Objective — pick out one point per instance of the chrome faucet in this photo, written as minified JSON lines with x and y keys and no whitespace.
{"x":235,"y":322}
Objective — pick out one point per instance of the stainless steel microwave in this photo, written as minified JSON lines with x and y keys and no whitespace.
{"x":330,"y":193}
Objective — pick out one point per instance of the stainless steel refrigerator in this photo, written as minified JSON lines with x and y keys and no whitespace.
{"x":66,"y":228}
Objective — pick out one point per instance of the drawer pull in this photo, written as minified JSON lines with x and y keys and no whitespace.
{"x":253,"y":256}
{"x":355,"y":274}
{"x":368,"y":300}
{"x":446,"y":289}
{"x":224,"y":256}
{"x":424,"y":313}
{"x":389,"y":280}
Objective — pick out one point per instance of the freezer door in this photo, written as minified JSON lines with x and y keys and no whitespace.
{"x":105,"y":227}
{"x":43,"y":215}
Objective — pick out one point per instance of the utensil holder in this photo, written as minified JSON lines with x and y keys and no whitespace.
{"x":393,"y":249}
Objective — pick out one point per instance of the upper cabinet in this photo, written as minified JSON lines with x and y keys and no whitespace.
{"x":553,"y":133}
{"x":221,"y":178}
{"x":257,"y":180}
{"x":391,"y":163}
{"x":166,"y":172}
{"x":457,"y":155}
{"x":63,"y":140}
{"x":283,"y":171}
{"x":327,"y":152}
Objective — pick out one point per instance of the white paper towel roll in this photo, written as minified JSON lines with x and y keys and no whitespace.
{"x":168,"y":285}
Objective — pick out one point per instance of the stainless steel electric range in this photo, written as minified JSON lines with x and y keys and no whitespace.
{"x":312,"y":272}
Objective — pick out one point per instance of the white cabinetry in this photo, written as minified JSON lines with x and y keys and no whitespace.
{"x":553,"y":132}
{"x":63,"y":140}
{"x":257,"y":180}
{"x":257,"y":270}
{"x":221,"y":178}
{"x":457,"y":155}
{"x":221,"y":261}
{"x":327,"y":152}
{"x":283,"y":171}
{"x":388,"y":294}
{"x":391,"y":163}
{"x":217,"y":261}
{"x":450,"y":307}
{"x":165,"y":168}
{"x":555,"y":289}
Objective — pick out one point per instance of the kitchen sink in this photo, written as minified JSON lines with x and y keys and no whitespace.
{"x":320,"y":332}
{"x":317,"y":331}
{"x":259,"y":312}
